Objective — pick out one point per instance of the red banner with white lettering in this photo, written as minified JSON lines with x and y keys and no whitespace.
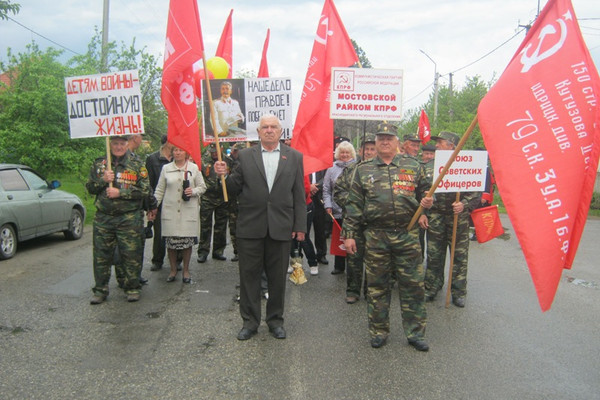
{"x":225,"y":47}
{"x":263,"y":69}
{"x":313,"y":132}
{"x":541,"y":125}
{"x":424,"y":128}
{"x":183,"y":47}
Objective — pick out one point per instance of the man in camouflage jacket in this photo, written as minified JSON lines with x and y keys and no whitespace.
{"x":119,"y":220}
{"x":384,"y":195}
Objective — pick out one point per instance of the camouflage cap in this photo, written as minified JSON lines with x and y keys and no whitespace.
{"x":387,"y":129}
{"x":238,"y":146}
{"x":412,"y":138}
{"x":449,"y":136}
{"x":369,"y":138}
{"x":428,"y":147}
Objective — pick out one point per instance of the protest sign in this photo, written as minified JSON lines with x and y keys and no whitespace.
{"x":365,"y":93}
{"x":104,"y":104}
{"x":466,"y":174}
{"x":242,"y":102}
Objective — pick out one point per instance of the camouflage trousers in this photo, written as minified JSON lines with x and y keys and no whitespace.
{"x":354,"y":266}
{"x":389,"y":253}
{"x":119,"y":269}
{"x":219,"y":233}
{"x":439,"y":240}
{"x":124,"y":231}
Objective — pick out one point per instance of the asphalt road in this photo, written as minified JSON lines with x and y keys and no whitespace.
{"x":179,"y":341}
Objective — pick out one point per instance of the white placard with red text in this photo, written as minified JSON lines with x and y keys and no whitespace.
{"x":104,"y":104}
{"x":466,"y":174}
{"x":366,"y":93}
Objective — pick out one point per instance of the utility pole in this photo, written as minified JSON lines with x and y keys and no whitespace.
{"x":436,"y":77}
{"x":104,"y":56}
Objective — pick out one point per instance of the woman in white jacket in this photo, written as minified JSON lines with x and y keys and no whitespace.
{"x":179,"y":188}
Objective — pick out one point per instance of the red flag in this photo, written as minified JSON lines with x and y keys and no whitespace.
{"x":263,"y":70}
{"x":336,"y":247}
{"x":487,"y":223}
{"x":313,"y":132}
{"x":541,"y":125}
{"x":225,"y":47}
{"x":183,"y":47}
{"x":424,"y":128}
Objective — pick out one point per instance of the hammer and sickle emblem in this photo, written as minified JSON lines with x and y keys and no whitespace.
{"x":323,"y":40}
{"x":536,"y":57}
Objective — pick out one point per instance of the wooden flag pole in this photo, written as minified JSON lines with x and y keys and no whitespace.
{"x":458,"y":148}
{"x":108,"y":158}
{"x":214,"y":123}
{"x":452,"y":249}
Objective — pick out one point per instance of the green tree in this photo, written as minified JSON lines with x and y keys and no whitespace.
{"x":456,"y":110}
{"x":362,"y":55}
{"x":6,"y":6}
{"x":34,"y":127}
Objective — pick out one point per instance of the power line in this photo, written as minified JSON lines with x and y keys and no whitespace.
{"x":42,"y":36}
{"x":487,"y":54}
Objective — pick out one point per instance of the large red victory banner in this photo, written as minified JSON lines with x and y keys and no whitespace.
{"x":183,"y":47}
{"x":541,"y":126}
{"x":225,"y":46}
{"x":313,"y":131}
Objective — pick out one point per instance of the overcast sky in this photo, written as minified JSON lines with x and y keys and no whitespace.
{"x":454,"y":33}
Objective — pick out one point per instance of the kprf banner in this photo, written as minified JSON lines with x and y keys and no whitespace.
{"x":104,"y":104}
{"x":366,"y":93}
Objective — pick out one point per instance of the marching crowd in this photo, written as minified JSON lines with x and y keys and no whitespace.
{"x":272,"y":206}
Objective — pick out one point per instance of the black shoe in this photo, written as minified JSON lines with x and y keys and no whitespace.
{"x":171,"y":278}
{"x":278,"y":333}
{"x":377,"y":342}
{"x":143,"y":280}
{"x":156,"y":267}
{"x":322,"y":260}
{"x":430,"y":296}
{"x":187,"y":280}
{"x":202,"y":258}
{"x":245,"y":334}
{"x":419,"y":344}
{"x":459,"y":302}
{"x":219,"y":257}
{"x":235,"y":258}
{"x":337,"y":272}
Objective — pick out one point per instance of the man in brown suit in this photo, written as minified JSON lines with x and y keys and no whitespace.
{"x":269,"y":184}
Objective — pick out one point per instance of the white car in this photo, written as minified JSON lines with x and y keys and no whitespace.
{"x":31,"y":207}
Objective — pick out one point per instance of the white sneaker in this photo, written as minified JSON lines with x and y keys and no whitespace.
{"x":290,"y":269}
{"x":314,"y":270}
